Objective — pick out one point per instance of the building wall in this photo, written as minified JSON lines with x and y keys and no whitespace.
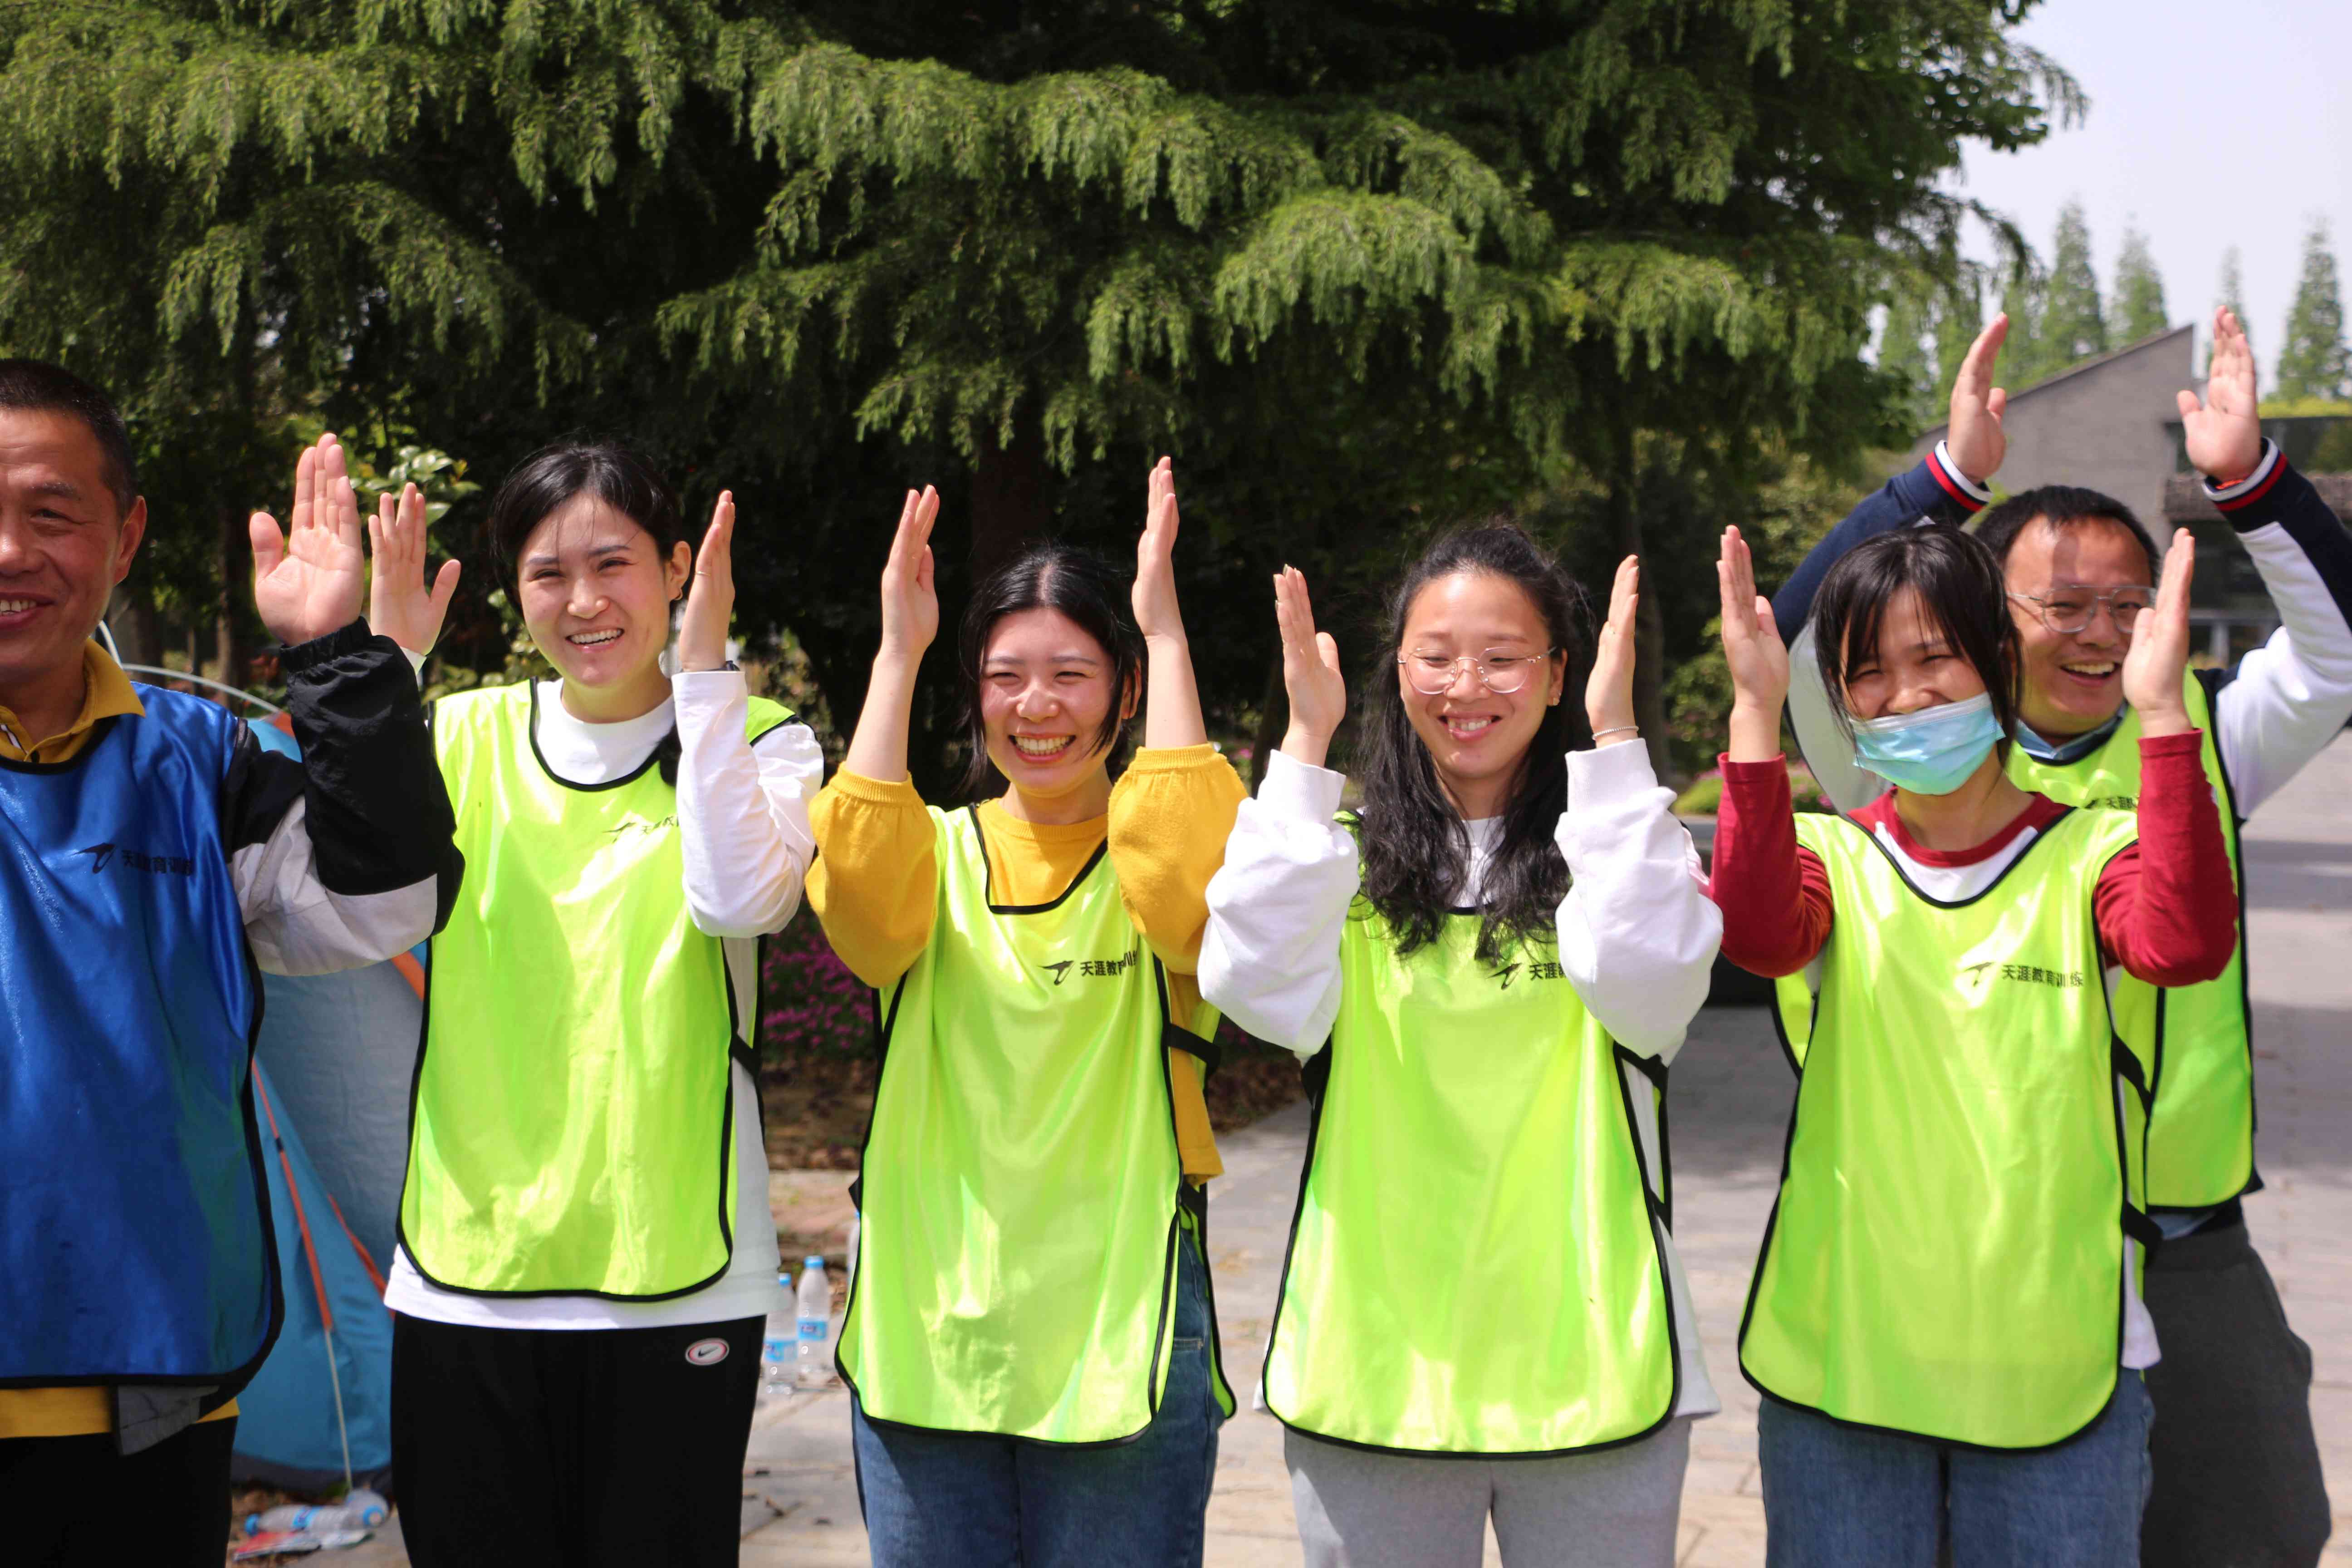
{"x":2105,"y":423}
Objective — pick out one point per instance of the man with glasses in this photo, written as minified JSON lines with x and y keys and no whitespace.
{"x":2237,"y":1473}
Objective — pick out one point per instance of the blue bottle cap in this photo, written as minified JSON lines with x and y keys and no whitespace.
{"x":812,"y":1261}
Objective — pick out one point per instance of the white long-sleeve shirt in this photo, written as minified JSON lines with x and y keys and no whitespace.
{"x":1637,"y":933}
{"x":742,"y":816}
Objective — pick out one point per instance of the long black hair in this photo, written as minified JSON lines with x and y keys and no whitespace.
{"x":1416,"y":851}
{"x":1961,"y":589}
{"x":1075,"y":582}
{"x":551,"y":475}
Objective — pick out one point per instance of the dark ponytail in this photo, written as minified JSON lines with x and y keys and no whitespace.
{"x":1415,"y":850}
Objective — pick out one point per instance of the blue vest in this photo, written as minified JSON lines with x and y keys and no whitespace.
{"x":134,"y":1228}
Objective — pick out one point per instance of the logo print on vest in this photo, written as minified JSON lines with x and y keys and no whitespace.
{"x":640,"y":826}
{"x":2025,"y":974}
{"x":104,"y":854}
{"x":707,"y":1353}
{"x":1547,"y":969}
{"x":1094,"y":968}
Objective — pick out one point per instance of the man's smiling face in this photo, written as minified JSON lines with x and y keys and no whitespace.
{"x":65,"y":542}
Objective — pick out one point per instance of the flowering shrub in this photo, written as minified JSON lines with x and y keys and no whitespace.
{"x":812,"y":1004}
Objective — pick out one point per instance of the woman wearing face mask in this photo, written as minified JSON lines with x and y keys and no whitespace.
{"x":1945,"y":1319}
{"x":585,"y":1249}
{"x":1030,"y":1337}
{"x":1487,"y":970}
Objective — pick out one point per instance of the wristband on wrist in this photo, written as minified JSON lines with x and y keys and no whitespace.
{"x":1618,"y":730}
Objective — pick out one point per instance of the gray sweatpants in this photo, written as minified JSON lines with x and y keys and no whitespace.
{"x":1614,"y":1508}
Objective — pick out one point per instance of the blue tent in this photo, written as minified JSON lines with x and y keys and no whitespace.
{"x":321,"y":1407}
{"x":331,"y":1094}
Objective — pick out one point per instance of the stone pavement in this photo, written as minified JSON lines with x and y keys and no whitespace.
{"x":1729,"y":1106}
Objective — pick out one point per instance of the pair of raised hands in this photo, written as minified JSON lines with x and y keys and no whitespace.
{"x":308,"y":580}
{"x":910,"y":600}
{"x":2223,"y":430}
{"x":2154,"y":668}
{"x":1318,"y":696}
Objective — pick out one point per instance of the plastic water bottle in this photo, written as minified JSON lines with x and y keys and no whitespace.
{"x":816,"y":1314}
{"x":363,"y":1510}
{"x":776,"y":1353}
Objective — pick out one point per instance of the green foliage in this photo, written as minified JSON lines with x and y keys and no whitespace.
{"x":1903,"y":358}
{"x":2071,"y":325}
{"x":2313,"y":361}
{"x":1364,"y":270}
{"x":2139,"y":310}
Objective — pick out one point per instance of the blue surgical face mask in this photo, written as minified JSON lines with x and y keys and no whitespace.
{"x":1932,"y":750}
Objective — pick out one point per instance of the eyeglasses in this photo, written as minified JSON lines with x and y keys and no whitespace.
{"x":2071,"y":609}
{"x":1434,"y":674}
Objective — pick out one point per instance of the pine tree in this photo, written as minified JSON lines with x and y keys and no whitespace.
{"x":2027,"y":356}
{"x":2073,"y":326}
{"x":2139,"y":291}
{"x":1903,"y":359}
{"x":2232,"y":298}
{"x":1960,"y":317}
{"x":2312,"y":361}
{"x":1361,"y":269}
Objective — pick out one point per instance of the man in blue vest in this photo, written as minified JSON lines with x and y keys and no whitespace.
{"x":154,"y":860}
{"x":2237,"y":1471}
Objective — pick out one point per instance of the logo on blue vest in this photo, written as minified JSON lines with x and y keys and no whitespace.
{"x":101,"y":856}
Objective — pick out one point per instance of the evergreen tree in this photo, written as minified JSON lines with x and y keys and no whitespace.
{"x":2139,"y":291}
{"x":2071,"y":326}
{"x":2233,"y":297}
{"x":1903,"y":358}
{"x":1960,"y":317}
{"x":1361,"y":269}
{"x":2028,"y":354}
{"x":2312,"y":360}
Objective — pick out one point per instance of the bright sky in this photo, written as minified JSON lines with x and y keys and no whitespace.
{"x":2210,"y":124}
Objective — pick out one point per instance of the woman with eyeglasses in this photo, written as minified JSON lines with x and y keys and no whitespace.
{"x":1486,"y":969}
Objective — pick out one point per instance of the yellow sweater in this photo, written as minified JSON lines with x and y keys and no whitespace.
{"x":107,"y":693}
{"x":875,"y":882}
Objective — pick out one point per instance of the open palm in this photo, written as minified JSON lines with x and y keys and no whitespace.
{"x":311,"y":579}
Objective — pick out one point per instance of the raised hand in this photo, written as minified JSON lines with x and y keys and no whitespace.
{"x":1310,"y":672}
{"x":400,"y":605}
{"x":910,"y":599}
{"x":2156,"y":666}
{"x":2224,"y":433}
{"x":1156,"y":614}
{"x":1609,"y":692}
{"x":710,"y":602}
{"x":1758,"y":658}
{"x":1975,"y":437}
{"x":312,"y":579}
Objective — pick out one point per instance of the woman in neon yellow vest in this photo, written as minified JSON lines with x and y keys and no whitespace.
{"x":1487,"y":971}
{"x":585,"y":1249}
{"x":1030,"y":1337}
{"x":1944,"y":1321}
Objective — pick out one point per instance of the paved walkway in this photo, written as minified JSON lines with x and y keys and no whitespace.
{"x":1731,"y":1098}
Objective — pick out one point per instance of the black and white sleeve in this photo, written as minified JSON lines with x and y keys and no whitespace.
{"x":347,"y":857}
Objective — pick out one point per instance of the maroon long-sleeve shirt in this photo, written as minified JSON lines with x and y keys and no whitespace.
{"x":2166,"y":909}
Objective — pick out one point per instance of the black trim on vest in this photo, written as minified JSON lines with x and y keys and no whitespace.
{"x":2041,"y":835}
{"x":531,"y":728}
{"x":988,"y":878}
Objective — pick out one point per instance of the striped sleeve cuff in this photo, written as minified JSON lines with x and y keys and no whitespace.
{"x":2255,"y":485}
{"x":1963,"y":489}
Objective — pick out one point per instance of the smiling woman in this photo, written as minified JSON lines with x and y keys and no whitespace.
{"x":587,"y":1187}
{"x":1029,"y":1339}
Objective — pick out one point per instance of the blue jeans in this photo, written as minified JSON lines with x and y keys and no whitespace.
{"x":1840,"y":1497}
{"x":952,"y":1499}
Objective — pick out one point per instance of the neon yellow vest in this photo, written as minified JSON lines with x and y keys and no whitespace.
{"x":572,"y":1126}
{"x":2200,"y":1135}
{"x":1474,"y":1264}
{"x":1020,"y":1191}
{"x":1946,"y":1257}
